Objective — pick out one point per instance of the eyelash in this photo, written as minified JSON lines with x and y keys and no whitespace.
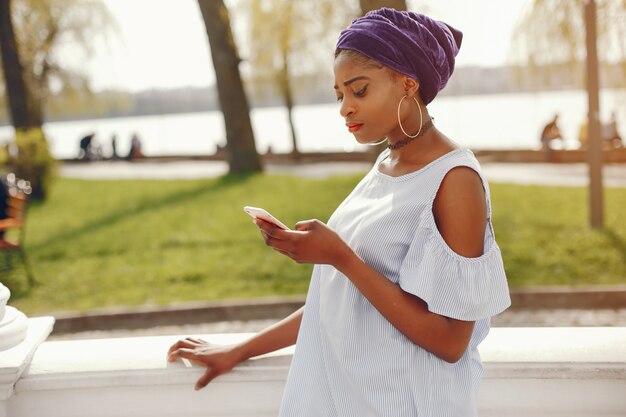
{"x":359,"y":93}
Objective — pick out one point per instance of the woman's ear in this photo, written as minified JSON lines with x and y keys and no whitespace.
{"x":411,"y":87}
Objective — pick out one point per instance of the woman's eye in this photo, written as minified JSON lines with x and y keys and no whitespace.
{"x":340,"y":98}
{"x":361,"y":92}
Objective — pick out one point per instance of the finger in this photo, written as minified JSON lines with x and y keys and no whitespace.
{"x":180,"y":344}
{"x":305,"y":225}
{"x":263,"y":234}
{"x":265,"y":226}
{"x":207,"y":377}
{"x":283,"y":252}
{"x":185,"y":353}
{"x":308,"y":224}
{"x":272,"y":230}
{"x":196,"y":342}
{"x":280,"y":245}
{"x":174,"y":353}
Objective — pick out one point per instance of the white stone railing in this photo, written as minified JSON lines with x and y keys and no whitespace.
{"x":539,"y":372}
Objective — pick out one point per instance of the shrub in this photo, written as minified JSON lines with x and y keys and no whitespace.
{"x":30,"y":159}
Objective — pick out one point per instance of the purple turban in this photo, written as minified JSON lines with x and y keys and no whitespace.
{"x":408,"y":42}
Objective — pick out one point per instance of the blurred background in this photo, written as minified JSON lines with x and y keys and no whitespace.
{"x":115,"y":85}
{"x":115,"y":68}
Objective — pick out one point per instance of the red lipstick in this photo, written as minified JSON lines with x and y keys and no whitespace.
{"x":353,"y":127}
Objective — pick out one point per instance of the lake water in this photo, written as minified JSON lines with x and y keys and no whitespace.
{"x":501,"y":121}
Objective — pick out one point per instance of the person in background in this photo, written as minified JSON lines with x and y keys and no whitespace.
{"x":114,"y":154}
{"x":550,"y":132}
{"x":407,"y":273}
{"x":85,"y":144}
{"x":4,"y":204}
{"x":611,"y":138}
{"x":583,"y":135}
{"x":135,"y":148}
{"x":610,"y":134}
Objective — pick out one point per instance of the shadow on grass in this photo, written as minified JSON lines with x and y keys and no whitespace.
{"x":146,"y":206}
{"x":617,"y":241}
{"x":13,"y":275}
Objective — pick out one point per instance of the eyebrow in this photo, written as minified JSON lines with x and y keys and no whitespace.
{"x":350,"y":81}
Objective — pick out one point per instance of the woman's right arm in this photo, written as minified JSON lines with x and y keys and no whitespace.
{"x":221,"y":359}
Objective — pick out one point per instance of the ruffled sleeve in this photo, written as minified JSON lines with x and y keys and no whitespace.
{"x":452,"y":285}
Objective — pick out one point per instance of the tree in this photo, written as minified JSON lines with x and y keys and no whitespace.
{"x":270,"y":50}
{"x":22,"y":107}
{"x":567,"y":31}
{"x":242,"y":153}
{"x":292,"y":38}
{"x":31,"y":32}
{"x":42,"y":29}
{"x":551,"y":33}
{"x":33,"y":160}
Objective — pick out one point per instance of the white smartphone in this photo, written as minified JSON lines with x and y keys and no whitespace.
{"x":256,"y":212}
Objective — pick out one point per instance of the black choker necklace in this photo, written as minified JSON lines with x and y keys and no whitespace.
{"x":402,"y":143}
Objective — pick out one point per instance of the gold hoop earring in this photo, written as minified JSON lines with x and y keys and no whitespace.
{"x":421,"y":117}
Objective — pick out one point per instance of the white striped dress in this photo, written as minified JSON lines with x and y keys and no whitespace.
{"x":349,"y":360}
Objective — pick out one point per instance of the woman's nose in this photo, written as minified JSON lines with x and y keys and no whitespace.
{"x":347,"y":109}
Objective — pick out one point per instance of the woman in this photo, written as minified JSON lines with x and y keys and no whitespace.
{"x":407,"y":272}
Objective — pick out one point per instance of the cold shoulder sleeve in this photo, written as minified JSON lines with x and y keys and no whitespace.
{"x":453,"y":285}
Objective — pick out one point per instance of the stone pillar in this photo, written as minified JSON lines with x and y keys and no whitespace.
{"x":19,"y":338}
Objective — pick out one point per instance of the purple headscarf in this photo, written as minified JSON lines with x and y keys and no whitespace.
{"x":408,"y":42}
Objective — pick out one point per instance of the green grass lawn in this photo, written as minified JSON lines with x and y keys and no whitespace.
{"x":104,"y":243}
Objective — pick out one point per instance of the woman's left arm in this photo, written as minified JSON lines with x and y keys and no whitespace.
{"x":461,"y":210}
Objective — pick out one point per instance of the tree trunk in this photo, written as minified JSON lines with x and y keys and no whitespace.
{"x":594,"y":133}
{"x":24,"y":111}
{"x":284,"y":80}
{"x":366,"y":6}
{"x":240,"y":146}
{"x":287,"y":91}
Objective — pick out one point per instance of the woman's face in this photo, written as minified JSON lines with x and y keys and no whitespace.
{"x":369,"y":99}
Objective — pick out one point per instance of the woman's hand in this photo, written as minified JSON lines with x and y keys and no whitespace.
{"x":311,"y":242}
{"x":217,"y":359}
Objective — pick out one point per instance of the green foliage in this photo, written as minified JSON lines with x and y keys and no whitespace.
{"x":32,"y":160}
{"x":550,"y":34}
{"x":289,"y":39}
{"x":104,"y":243}
{"x":42,"y":28}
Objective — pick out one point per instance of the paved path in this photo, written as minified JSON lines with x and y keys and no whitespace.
{"x":497,"y":172}
{"x":574,"y":175}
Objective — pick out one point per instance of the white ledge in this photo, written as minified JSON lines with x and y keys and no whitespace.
{"x":556,"y":352}
{"x":136,"y":361}
{"x":528,"y":372}
{"x":14,"y":361}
